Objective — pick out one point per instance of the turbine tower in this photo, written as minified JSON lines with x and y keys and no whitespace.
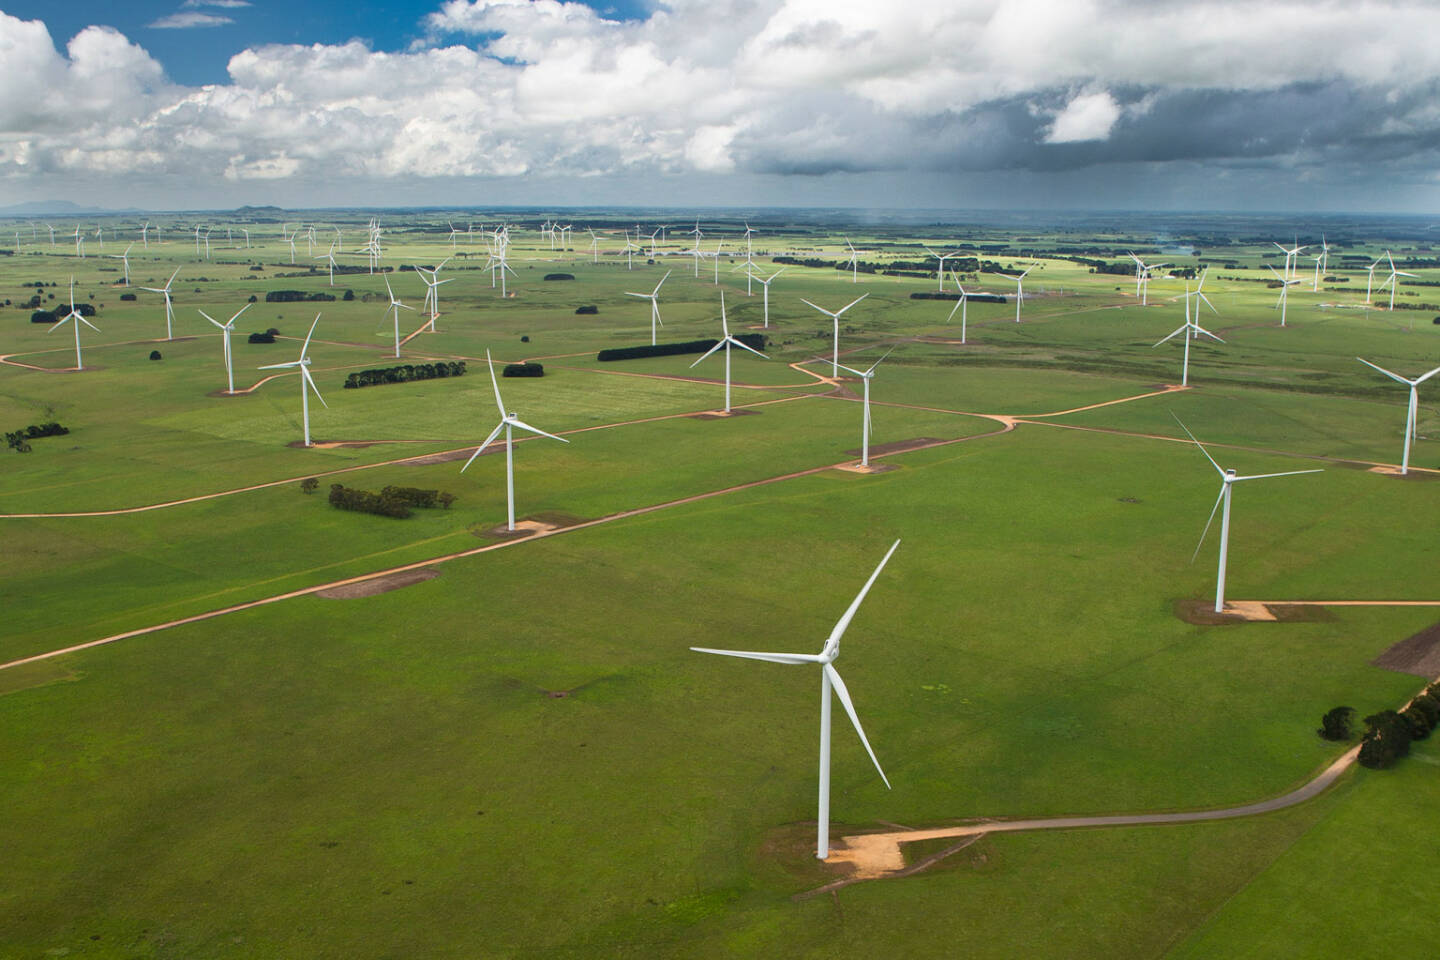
{"x":303,"y":365}
{"x":225,"y":330}
{"x":654,"y":298}
{"x":725,"y":342}
{"x":1412,"y":409}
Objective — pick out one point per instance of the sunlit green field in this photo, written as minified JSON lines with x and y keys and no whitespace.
{"x":395,"y":775}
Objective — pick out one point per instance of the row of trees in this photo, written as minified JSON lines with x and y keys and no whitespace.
{"x":754,"y":340}
{"x":297,"y":296}
{"x":391,"y":501}
{"x":523,"y":370}
{"x":1389,"y":733}
{"x":19,"y":440}
{"x":406,"y":373}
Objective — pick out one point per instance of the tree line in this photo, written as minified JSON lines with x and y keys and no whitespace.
{"x":407,"y":373}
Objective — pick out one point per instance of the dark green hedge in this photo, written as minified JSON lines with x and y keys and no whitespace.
{"x":295,"y":296}
{"x":754,"y":340}
{"x":524,"y":370}
{"x":405,"y":374}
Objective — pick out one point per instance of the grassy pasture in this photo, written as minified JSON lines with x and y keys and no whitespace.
{"x":394,"y":775}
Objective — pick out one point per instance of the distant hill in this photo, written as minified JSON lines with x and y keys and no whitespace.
{"x":248,"y":211}
{"x":60,"y":208}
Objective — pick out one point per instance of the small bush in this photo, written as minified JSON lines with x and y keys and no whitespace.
{"x":364,"y":501}
{"x":261,"y":338}
{"x":559,"y":276}
{"x":127,"y":296}
{"x":523,"y":370}
{"x":155,"y":355}
{"x":309,"y":485}
{"x":1335,"y":725}
{"x":43,"y":316}
{"x":525,"y":339}
{"x":587,"y":309}
{"x":1387,"y":738}
{"x":296,"y":296}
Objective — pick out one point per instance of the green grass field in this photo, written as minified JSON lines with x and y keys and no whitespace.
{"x":521,"y":757}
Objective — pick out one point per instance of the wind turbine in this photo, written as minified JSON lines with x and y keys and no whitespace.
{"x":1391,"y":280}
{"x":100,"y":237}
{"x":1291,"y":253}
{"x":1228,"y":478}
{"x":145,"y":234}
{"x":432,"y":292}
{"x":962,"y":305}
{"x":52,"y":234}
{"x":507,"y":422}
{"x":866,"y":376}
{"x":654,"y":298}
{"x":854,"y":262}
{"x":829,"y":679}
{"x":630,"y":249}
{"x":1019,"y":289}
{"x":125,"y":259}
{"x":169,"y":310}
{"x":1142,"y":278}
{"x":303,"y":365}
{"x":226,"y":329}
{"x":940,"y":267}
{"x":766,"y":285}
{"x":1285,"y":286}
{"x":290,"y":240}
{"x":835,"y":362}
{"x":1191,"y":328}
{"x":594,"y":246}
{"x":330,"y":255}
{"x":1370,"y":279}
{"x":725,"y":342}
{"x":1412,"y":409}
{"x":1315,"y":284}
{"x":78,"y":318}
{"x":395,"y":307}
{"x":79,"y":243}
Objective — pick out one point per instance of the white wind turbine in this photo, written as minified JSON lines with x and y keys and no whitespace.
{"x":835,"y":361}
{"x":303,"y":365}
{"x":169,"y":309}
{"x":1142,"y":278}
{"x":866,"y":376}
{"x":74,"y":318}
{"x":1291,"y":255}
{"x":940,"y":267}
{"x":854,"y":261}
{"x":1191,"y":328}
{"x":330,"y":255}
{"x":508,"y":421}
{"x":594,"y":246}
{"x":290,"y":240}
{"x":145,"y":235}
{"x":1392,"y":280}
{"x":829,"y":680}
{"x":227,"y":328}
{"x":432,"y":291}
{"x":962,"y":305}
{"x":766,"y":296}
{"x":79,"y":243}
{"x":1412,"y":409}
{"x":631,"y":248}
{"x":395,"y":307}
{"x":725,"y":342}
{"x":1285,"y":286}
{"x":1228,"y":478}
{"x":1019,"y":289}
{"x":1370,"y":279}
{"x":1315,"y":284}
{"x":654,"y":298}
{"x":52,"y":234}
{"x":100,"y":237}
{"x":124,"y":258}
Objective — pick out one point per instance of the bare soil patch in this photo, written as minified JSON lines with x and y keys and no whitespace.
{"x":379,"y":585}
{"x":1202,"y":613}
{"x":1412,"y":475}
{"x":869,"y":468}
{"x":1418,"y":655}
{"x":529,"y":526}
{"x":899,"y":446}
{"x":722,"y":415}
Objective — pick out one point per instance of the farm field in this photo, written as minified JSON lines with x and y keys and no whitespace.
{"x":513,"y":752}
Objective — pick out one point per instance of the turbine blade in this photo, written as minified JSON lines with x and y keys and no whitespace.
{"x":847,"y":306}
{"x":311,"y":381}
{"x":1218,"y":469}
{"x":309,"y":335}
{"x":745,"y":346}
{"x":1393,"y":376}
{"x":494,"y":383}
{"x":1200,"y":329}
{"x":718,"y":345}
{"x":1287,"y":473}
{"x":211,"y":319}
{"x":844,"y":695}
{"x":536,"y":430}
{"x":1421,"y":379}
{"x":880,"y":361}
{"x":1172,"y":336}
{"x":787,"y":658}
{"x":821,"y":309}
{"x":661,"y":283}
{"x":842,"y":367}
{"x":240,"y":311}
{"x":844,"y":622}
{"x":1206,"y":531}
{"x":280,"y":366}
{"x":481,"y":449}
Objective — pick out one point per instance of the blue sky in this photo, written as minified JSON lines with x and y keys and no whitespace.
{"x":198,"y":55}
{"x":1324,"y":105}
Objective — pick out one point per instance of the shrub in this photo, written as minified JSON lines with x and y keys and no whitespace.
{"x":523,"y":370}
{"x":559,"y":276}
{"x":1335,"y":725}
{"x":755,"y":340}
{"x":349,"y":295}
{"x":525,"y":339}
{"x":18,"y":440}
{"x":1386,"y":740}
{"x":364,"y":501}
{"x":309,"y":485}
{"x":127,"y":296}
{"x":155,"y":355}
{"x":261,"y":338}
{"x":587,"y":309}
{"x":43,"y":316}
{"x":413,"y":496}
